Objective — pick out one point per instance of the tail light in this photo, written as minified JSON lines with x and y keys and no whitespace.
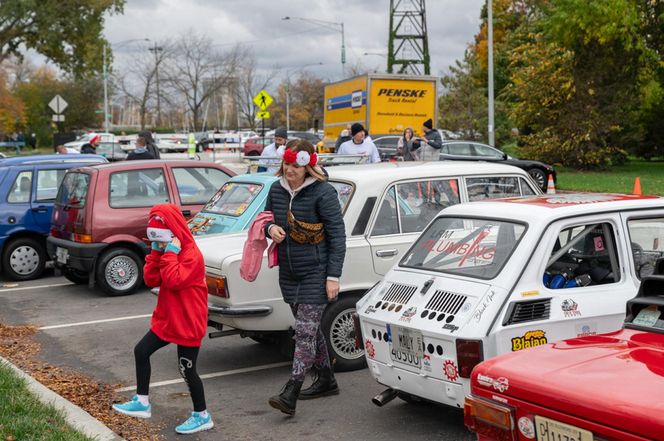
{"x":82,"y":238}
{"x":488,"y":419}
{"x":54,"y":232}
{"x":469,"y":355}
{"x":217,"y":285}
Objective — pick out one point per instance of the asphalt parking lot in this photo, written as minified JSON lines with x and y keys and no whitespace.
{"x":83,"y":329}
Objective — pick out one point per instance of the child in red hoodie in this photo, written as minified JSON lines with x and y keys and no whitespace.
{"x":176,"y":266}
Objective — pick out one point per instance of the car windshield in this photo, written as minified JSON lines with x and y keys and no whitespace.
{"x":470,"y":247}
{"x":233,"y":198}
{"x":73,"y":190}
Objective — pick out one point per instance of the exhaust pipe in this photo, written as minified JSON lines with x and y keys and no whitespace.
{"x":384,"y":397}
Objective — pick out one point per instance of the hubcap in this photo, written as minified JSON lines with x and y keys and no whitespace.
{"x":24,"y":260}
{"x":121,"y":273}
{"x":538,"y":177}
{"x":342,"y":335}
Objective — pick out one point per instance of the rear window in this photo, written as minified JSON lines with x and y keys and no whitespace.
{"x":470,"y":247}
{"x":74,"y":190}
{"x":233,"y":198}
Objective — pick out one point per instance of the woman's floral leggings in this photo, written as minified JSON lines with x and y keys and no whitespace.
{"x":310,"y":347}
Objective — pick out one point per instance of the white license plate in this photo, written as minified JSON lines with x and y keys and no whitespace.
{"x":61,"y":255}
{"x":407,"y":346}
{"x":550,"y":430}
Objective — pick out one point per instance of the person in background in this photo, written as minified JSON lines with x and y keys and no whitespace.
{"x":140,"y":152}
{"x":343,"y":137}
{"x":33,"y":140}
{"x":275,"y":150}
{"x":430,"y":143}
{"x":176,"y":266}
{"x":309,"y":228}
{"x":406,"y":147}
{"x":358,"y":145}
{"x":62,"y":150}
{"x":150,"y":144}
{"x":90,"y":147}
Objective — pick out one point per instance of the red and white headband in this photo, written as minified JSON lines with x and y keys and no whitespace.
{"x":301,"y":158}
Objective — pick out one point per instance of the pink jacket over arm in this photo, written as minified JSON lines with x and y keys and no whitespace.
{"x":254,"y":247}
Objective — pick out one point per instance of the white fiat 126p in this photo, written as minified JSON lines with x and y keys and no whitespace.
{"x":485,"y":278}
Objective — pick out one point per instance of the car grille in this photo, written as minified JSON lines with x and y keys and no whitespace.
{"x":399,"y":293}
{"x":445,"y":301}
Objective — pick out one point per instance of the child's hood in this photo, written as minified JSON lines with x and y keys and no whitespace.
{"x":171,"y":216}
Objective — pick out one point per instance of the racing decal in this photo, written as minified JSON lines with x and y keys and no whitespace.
{"x":479,"y":312}
{"x":370,"y":309}
{"x":474,"y":250}
{"x":570,"y":308}
{"x":450,"y":327}
{"x":499,"y":398}
{"x":530,"y":293}
{"x":501,"y":384}
{"x":561,"y":200}
{"x":586,"y":330}
{"x":426,"y":362}
{"x":526,"y":427}
{"x":408,"y":314}
{"x":369,"y":349}
{"x":451,"y":371}
{"x":529,"y":340}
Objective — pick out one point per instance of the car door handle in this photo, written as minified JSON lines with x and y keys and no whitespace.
{"x":186,"y":212}
{"x":386,"y":253}
{"x":40,"y":209}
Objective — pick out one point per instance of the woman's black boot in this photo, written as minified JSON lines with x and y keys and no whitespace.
{"x":325,"y":384}
{"x":287,"y":398}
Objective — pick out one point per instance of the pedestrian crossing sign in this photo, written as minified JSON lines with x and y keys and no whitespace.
{"x":263,"y":115}
{"x":263,"y":100}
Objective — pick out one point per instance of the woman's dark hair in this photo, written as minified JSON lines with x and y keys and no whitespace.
{"x":299,"y":145}
{"x":412,"y":134}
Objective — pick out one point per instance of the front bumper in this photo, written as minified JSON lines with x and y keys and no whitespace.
{"x":81,"y":256}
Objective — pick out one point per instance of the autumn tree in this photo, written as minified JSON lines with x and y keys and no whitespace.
{"x":249,"y":82}
{"x":11,"y":108}
{"x":306,"y":98}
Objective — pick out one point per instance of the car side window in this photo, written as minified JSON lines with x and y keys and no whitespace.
{"x":137,"y":188}
{"x":647,"y":242}
{"x":21,"y":189}
{"x":526,"y":189}
{"x":387,"y":221}
{"x":420,"y":201}
{"x":487,"y":151}
{"x":492,"y":187}
{"x":583,"y":255}
{"x":460,"y":149}
{"x":197,"y":185}
{"x":48,"y":182}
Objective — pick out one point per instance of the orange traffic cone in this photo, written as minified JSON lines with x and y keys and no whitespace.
{"x":550,"y":186}
{"x":637,"y":186}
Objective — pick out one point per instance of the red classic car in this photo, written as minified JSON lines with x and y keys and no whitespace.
{"x":604,"y":387}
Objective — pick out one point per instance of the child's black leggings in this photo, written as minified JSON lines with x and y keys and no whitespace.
{"x":187,"y":356}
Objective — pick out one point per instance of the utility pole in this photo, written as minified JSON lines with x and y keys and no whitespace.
{"x":105,"y":73}
{"x":492,"y":129}
{"x":156,"y":49}
{"x":408,"y":42}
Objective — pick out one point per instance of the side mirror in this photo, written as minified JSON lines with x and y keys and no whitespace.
{"x":505,"y":156}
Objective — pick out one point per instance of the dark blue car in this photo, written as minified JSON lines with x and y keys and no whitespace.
{"x":28,"y":185}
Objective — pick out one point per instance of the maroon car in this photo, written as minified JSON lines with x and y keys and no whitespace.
{"x":98,"y":225}
{"x":254,"y":146}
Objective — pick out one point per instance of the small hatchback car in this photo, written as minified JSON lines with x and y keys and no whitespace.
{"x":28,"y":185}
{"x":98,"y":226}
{"x":502,"y":276}
{"x":605,"y":387}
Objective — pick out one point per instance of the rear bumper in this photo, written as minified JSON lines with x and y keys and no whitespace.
{"x":81,"y":256}
{"x":240,"y":311}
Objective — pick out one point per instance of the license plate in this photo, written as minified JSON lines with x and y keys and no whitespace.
{"x":406,"y":346}
{"x":61,"y":255}
{"x":550,"y":430}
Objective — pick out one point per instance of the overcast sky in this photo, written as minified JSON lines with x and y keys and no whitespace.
{"x":292,"y":44}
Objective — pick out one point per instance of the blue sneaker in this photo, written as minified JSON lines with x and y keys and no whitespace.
{"x":195,"y":423}
{"x":134,"y":408}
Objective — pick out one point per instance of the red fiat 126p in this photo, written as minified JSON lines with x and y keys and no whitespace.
{"x":604,"y":387}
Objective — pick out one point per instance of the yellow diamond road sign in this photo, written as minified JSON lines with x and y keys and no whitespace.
{"x":263,"y":100}
{"x":263,"y":115}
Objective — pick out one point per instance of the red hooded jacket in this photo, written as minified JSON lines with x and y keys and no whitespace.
{"x":181,"y":313}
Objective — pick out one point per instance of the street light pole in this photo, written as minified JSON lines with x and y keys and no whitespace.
{"x":492,"y":134}
{"x":157,"y":49}
{"x":333,"y":26}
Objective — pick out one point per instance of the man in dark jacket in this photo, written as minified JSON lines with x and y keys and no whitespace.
{"x":430,"y":143}
{"x":150,"y":144}
{"x":343,"y":137}
{"x":91,"y":146}
{"x":140,"y":152}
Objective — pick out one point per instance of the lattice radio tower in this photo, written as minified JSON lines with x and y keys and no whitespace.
{"x":408,"y":44}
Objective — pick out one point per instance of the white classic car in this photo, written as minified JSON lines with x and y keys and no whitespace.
{"x":494,"y":277}
{"x":385,"y":208}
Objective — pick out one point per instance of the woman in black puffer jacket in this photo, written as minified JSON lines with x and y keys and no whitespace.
{"x":309,"y":228}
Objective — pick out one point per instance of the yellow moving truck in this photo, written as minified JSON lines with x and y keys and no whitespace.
{"x":384,"y":104}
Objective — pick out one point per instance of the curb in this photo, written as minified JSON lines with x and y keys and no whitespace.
{"x":76,"y":417}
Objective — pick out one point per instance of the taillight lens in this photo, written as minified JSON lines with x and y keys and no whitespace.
{"x":217,"y":285}
{"x":82,"y":238}
{"x":489,"y":419}
{"x":469,"y":355}
{"x":54,"y":232}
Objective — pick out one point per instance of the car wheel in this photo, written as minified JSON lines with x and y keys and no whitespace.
{"x":539,"y":177}
{"x":119,"y":272}
{"x":76,"y":276}
{"x":339,"y":330}
{"x":24,"y":259}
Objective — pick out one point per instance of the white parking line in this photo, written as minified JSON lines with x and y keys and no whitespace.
{"x":93,"y":322}
{"x":36,"y":287}
{"x":212,"y":375}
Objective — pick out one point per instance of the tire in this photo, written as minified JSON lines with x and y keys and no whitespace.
{"x":119,"y":272}
{"x":76,"y":276}
{"x":24,"y":258}
{"x":339,"y":330}
{"x":539,"y":177}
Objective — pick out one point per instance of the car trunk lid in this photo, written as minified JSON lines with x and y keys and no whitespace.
{"x":72,"y":209}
